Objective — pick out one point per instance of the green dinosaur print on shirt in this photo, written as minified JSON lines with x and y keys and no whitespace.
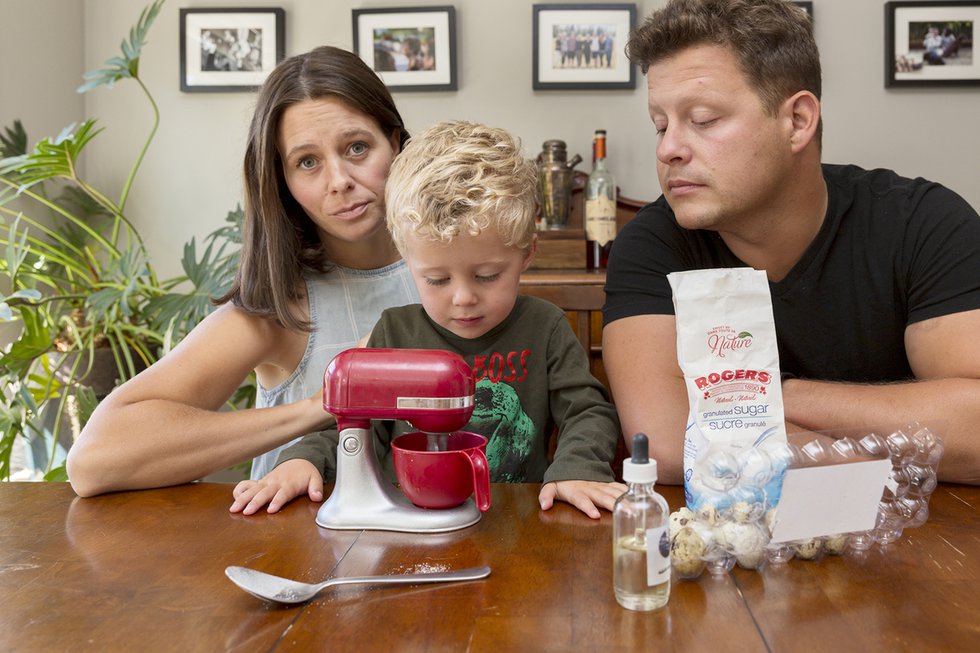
{"x":498,"y":415}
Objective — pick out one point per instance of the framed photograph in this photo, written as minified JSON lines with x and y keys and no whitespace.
{"x":931,"y":43}
{"x":411,"y":48}
{"x":226,"y":49}
{"x":807,"y":7}
{"x":581,"y":46}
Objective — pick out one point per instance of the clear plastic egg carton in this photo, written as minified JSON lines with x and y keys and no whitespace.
{"x":731,"y":517}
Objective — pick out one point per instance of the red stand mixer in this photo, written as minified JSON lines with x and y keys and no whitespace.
{"x":432,"y":390}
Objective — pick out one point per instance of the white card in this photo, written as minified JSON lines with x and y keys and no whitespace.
{"x":830,"y":499}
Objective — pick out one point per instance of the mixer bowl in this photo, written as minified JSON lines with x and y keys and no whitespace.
{"x":445,"y":478}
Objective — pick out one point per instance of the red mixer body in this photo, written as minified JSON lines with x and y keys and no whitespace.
{"x":431,"y":389}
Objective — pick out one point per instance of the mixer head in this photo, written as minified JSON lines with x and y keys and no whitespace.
{"x":432,"y":389}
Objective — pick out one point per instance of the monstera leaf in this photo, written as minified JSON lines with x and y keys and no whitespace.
{"x":128,"y":65}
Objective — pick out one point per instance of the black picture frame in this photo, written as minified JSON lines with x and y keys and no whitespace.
{"x":931,"y":44}
{"x":557,"y":67}
{"x":806,"y":6}
{"x":227,"y":49}
{"x":411,"y":48}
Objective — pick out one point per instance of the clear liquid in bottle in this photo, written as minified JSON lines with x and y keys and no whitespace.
{"x":641,"y":541}
{"x":629,"y":577}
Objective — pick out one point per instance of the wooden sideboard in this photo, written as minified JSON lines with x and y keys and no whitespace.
{"x":580,"y":294}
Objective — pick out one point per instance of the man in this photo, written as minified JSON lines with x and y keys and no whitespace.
{"x":875,"y":279}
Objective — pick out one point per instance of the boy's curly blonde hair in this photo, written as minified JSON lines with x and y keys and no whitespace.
{"x":461,"y":177}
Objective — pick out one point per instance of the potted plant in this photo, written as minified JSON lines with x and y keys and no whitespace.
{"x":93,"y":311}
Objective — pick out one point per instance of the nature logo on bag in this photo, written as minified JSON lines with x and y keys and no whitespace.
{"x":731,"y":384}
{"x":722,"y":339}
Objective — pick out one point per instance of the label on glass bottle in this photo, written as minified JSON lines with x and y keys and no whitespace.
{"x":600,"y":219}
{"x":658,"y":556}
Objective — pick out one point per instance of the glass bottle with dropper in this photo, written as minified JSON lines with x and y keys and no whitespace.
{"x":641,"y":541}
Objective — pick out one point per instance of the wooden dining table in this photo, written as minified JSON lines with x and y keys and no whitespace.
{"x":144,"y":571}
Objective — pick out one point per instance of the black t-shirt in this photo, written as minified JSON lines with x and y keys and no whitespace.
{"x":892,"y":251}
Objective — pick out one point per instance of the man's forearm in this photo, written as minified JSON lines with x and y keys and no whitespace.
{"x":952,"y":406}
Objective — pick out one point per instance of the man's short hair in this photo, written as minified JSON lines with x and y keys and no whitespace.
{"x":772,"y":41}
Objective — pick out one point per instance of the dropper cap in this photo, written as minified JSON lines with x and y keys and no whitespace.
{"x":639,"y":468}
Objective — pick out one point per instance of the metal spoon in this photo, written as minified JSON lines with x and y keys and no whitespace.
{"x":283,"y":590}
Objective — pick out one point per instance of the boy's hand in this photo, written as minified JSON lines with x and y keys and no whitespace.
{"x":277,"y":488}
{"x":584,"y":495}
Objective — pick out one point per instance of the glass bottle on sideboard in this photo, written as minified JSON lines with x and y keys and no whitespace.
{"x":600,"y":208}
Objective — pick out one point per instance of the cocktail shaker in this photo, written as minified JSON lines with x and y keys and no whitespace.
{"x":555,"y":183}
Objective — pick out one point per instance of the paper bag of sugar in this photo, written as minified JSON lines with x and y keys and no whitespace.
{"x":735,"y":443}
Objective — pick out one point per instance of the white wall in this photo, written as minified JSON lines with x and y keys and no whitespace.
{"x":191,"y":176}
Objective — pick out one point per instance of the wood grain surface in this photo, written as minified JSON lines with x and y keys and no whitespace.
{"x":144,"y":571}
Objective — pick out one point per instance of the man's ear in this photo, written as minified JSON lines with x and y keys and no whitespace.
{"x":531,"y":251}
{"x":803,"y":109}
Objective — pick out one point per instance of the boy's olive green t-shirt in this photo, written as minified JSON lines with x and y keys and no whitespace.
{"x":531,"y":375}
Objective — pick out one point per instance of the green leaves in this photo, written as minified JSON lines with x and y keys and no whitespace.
{"x":58,"y":474}
{"x":50,"y":158}
{"x":210,"y":276}
{"x":80,"y":279}
{"x":15,"y":254}
{"x":10,"y":427}
{"x":122,"y":288}
{"x":34,"y":341}
{"x":6,"y":314}
{"x":13,"y":141}
{"x":78,"y":270}
{"x":126,"y":66}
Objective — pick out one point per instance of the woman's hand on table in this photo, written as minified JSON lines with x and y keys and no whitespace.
{"x":587,"y":496}
{"x":284,"y":483}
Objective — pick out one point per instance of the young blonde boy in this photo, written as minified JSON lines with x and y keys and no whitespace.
{"x":460,"y":200}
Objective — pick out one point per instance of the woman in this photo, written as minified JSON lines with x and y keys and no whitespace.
{"x":317,"y":268}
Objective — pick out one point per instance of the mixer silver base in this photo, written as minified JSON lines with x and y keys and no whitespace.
{"x":363,"y":500}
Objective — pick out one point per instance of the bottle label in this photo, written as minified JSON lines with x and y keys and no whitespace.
{"x":600,"y":219}
{"x":658,"y":556}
